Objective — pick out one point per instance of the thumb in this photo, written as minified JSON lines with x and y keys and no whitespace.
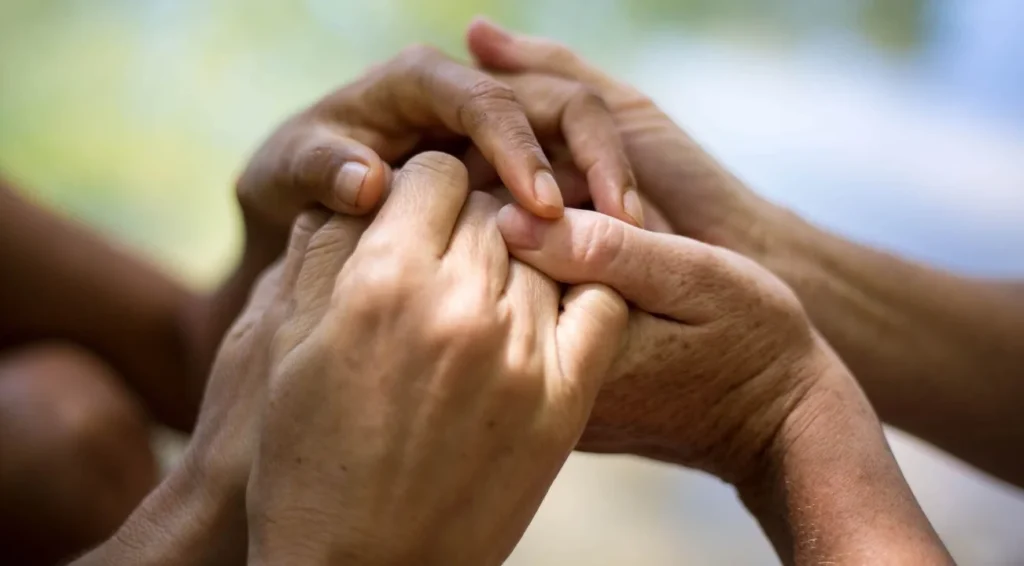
{"x":663,"y":274}
{"x":589,"y":334}
{"x":312,"y":165}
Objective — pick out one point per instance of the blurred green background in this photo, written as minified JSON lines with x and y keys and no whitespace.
{"x":138,"y":114}
{"x":897,"y":122}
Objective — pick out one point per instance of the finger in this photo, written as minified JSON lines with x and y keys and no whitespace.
{"x":326,"y":253}
{"x":423,"y":89}
{"x":277,"y":281}
{"x":308,"y":165}
{"x":530,"y":301}
{"x":589,"y":334}
{"x":482,"y":175}
{"x":576,"y":113}
{"x":663,"y":274}
{"x":425,"y":201}
{"x":305,"y":226}
{"x":476,"y":248}
{"x":500,"y":49}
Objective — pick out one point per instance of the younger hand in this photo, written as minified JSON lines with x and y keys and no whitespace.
{"x":424,"y":398}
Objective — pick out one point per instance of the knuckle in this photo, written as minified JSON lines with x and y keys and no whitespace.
{"x":433,"y":164}
{"x":588,"y":97}
{"x":383,"y":284}
{"x":467,"y":319}
{"x":337,"y":236}
{"x":304,"y":227}
{"x":481,"y":98}
{"x":601,"y":243}
{"x":560,"y":56}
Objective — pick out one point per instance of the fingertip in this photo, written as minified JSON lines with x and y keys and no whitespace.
{"x":633,"y":208}
{"x":360,"y":186}
{"x":518,"y":227}
{"x":487,"y":42}
{"x":548,"y":195}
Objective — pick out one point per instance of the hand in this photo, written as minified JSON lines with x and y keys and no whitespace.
{"x":196,"y":516}
{"x":438,"y":387}
{"x":337,"y":153}
{"x":718,"y":354}
{"x":683,"y":184}
{"x":727,"y":375}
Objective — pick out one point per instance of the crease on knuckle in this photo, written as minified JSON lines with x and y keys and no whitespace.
{"x":601,"y":245}
{"x":483,"y":97}
{"x":433,"y":164}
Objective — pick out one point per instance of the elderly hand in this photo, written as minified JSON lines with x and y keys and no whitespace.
{"x":686,"y":190}
{"x":338,"y":153}
{"x":722,"y":371}
{"x":719,"y":352}
{"x":425,"y":394}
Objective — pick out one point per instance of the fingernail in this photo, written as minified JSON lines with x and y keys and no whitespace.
{"x":518,"y":227}
{"x":546,"y":191}
{"x":349,"y":181}
{"x":634,"y":208}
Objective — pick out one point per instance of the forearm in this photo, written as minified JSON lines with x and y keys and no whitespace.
{"x":64,"y":282}
{"x":186,"y":521}
{"x":61,"y":281}
{"x":832,"y":492}
{"x":938,"y":355}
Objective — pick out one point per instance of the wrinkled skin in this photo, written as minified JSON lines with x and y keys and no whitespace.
{"x":425,"y":392}
{"x":718,"y":353}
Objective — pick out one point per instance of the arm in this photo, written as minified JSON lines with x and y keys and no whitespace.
{"x":940,"y":356}
{"x":832,"y":492}
{"x":63,"y":282}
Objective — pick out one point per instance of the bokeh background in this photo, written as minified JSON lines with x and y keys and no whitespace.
{"x":896,"y":122}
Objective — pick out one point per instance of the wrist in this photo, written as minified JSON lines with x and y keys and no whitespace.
{"x":182,"y":522}
{"x":829,"y":486}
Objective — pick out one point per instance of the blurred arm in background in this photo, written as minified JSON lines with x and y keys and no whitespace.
{"x":940,"y":356}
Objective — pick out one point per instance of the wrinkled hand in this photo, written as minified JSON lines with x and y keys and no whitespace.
{"x":338,"y":153}
{"x":682,"y":183}
{"x":426,"y":393}
{"x":718,"y":354}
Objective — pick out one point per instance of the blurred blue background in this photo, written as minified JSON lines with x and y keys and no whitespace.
{"x":895,"y":122}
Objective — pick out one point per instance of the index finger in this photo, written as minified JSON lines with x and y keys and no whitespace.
{"x":423,"y":90}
